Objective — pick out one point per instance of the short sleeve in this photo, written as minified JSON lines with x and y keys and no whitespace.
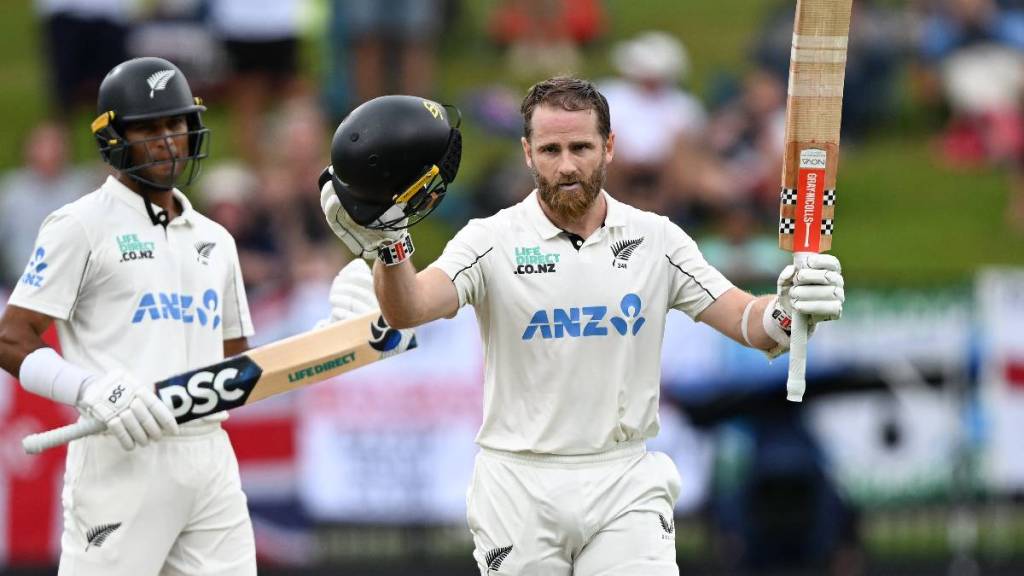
{"x":237,"y":321}
{"x":463,"y":260}
{"x":56,"y":268}
{"x":694,"y":284}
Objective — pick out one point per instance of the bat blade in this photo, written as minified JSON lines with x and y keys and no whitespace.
{"x":813,"y":117}
{"x":259,"y":373}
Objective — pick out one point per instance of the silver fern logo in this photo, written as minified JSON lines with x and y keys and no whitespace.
{"x":203,"y":250}
{"x":159,"y":80}
{"x":97,"y":535}
{"x":669,"y":526}
{"x":623,"y":249}
{"x":495,"y":557}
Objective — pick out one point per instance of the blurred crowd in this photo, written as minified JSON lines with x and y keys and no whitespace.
{"x":711,"y":161}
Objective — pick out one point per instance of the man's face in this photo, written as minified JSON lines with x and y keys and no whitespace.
{"x":567,"y":157}
{"x":163,"y":141}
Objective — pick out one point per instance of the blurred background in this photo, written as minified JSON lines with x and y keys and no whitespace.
{"x":907,"y":455}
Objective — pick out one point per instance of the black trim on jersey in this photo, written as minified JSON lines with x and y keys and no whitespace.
{"x":713,"y":299}
{"x":81,"y":282}
{"x":575,"y":240}
{"x":573,"y":237}
{"x":473,"y":263}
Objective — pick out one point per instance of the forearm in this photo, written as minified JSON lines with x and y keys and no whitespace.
{"x":396,"y":291}
{"x":756,"y":334}
{"x":17,"y":340}
{"x":734,"y":309}
{"x":408,"y":298}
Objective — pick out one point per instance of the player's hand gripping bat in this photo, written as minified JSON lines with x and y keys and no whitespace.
{"x":813,"y":111}
{"x":258,"y":373}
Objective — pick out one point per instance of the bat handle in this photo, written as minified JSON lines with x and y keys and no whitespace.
{"x":796,"y":382}
{"x":36,"y":443}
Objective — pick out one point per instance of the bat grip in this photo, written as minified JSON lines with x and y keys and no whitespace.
{"x":796,"y":382}
{"x":36,"y":443}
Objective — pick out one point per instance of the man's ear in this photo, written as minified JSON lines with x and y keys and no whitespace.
{"x":526,"y":152}
{"x":609,"y":148}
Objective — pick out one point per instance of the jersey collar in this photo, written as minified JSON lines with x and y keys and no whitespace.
{"x":615,"y":217}
{"x":115,"y":188}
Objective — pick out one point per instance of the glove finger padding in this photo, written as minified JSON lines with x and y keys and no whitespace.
{"x":807,"y":276}
{"x":352,"y":291}
{"x":161,"y":414}
{"x":823,"y":262}
{"x":131,"y":411}
{"x":131,"y":424}
{"x":341,"y":225}
{"x":357,"y":273}
{"x":360,"y":240}
{"x":350,"y":301}
{"x":145,"y":419}
{"x":115,"y":427}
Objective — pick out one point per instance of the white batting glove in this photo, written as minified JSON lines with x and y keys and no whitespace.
{"x":132,"y":412}
{"x":815,"y":290}
{"x":352,"y":295}
{"x":360,"y":240}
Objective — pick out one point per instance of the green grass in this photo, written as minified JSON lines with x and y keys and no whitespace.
{"x":902,"y":219}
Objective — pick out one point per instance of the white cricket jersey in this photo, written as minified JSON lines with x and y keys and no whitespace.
{"x":130,"y":295}
{"x":572,"y":339}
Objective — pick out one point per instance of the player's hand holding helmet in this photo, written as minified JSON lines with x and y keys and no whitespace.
{"x":815,"y":290}
{"x":132,"y":412}
{"x":392,"y":160}
{"x":352,"y":295}
{"x":360,"y":240}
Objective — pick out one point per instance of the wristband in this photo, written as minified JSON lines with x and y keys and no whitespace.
{"x":776,"y":322}
{"x":45,"y":373}
{"x":744,"y":320}
{"x":396,"y":252}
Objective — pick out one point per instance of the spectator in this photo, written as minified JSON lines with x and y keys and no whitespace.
{"x":740,"y":248}
{"x":878,"y":38}
{"x":971,"y":58}
{"x":748,"y":134}
{"x":84,"y":39}
{"x":658,"y":165}
{"x":391,"y":44}
{"x":27,"y":195}
{"x":543,"y":36}
{"x":229,"y":194}
{"x":262,"y":41}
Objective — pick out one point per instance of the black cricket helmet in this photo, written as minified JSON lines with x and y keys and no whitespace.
{"x":143,"y":89}
{"x":394,"y":150}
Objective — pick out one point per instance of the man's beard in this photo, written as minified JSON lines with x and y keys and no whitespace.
{"x":570,"y":205}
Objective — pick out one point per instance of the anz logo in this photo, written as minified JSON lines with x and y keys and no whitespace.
{"x":587,"y":321}
{"x":179,"y":307}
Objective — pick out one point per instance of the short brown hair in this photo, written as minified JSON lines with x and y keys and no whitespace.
{"x":568,"y":93}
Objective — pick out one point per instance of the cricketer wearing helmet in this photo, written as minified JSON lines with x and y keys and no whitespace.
{"x":140,"y":287}
{"x":571,"y":289}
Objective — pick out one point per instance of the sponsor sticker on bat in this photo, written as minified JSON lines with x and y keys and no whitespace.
{"x":210,"y":389}
{"x":810,"y":189}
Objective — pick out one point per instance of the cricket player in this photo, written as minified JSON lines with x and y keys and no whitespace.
{"x":140,"y":287}
{"x":571,"y":289}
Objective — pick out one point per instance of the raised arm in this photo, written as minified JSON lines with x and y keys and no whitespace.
{"x":409,"y":298}
{"x":763,"y":322}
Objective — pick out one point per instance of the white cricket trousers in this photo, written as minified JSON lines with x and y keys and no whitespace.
{"x":172,"y":508}
{"x":606,"y":514}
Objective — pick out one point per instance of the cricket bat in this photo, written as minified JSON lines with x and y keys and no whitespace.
{"x":265,"y":371}
{"x":817,"y":70}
